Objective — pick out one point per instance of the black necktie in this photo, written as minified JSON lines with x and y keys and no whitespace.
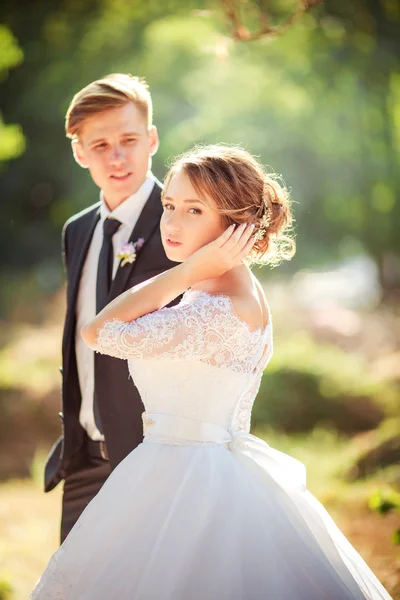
{"x":104,"y":276}
{"x":106,"y":259}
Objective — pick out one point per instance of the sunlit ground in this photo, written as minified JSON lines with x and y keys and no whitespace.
{"x":29,"y":523}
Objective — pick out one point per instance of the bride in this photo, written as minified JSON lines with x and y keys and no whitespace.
{"x":202,"y":509}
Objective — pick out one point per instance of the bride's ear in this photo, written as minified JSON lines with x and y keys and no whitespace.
{"x":78,"y":153}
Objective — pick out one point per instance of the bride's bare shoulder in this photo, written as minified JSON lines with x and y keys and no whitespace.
{"x":248,"y":302}
{"x":249,"y":309}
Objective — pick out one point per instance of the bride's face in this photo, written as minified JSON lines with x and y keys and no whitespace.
{"x":188,"y":221}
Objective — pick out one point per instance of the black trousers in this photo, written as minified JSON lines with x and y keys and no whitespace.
{"x":81,"y":485}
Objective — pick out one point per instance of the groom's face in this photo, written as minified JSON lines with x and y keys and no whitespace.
{"x":189,"y":221}
{"x":116,"y":146}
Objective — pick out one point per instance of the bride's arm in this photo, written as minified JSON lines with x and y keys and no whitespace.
{"x":212,"y":260}
{"x":132,"y":304}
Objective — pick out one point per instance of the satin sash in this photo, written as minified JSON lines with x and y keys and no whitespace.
{"x":169,"y":429}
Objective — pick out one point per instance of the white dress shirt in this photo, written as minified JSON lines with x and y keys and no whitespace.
{"x":128,"y":213}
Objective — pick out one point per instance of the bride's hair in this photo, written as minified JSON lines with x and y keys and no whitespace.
{"x":244,"y":193}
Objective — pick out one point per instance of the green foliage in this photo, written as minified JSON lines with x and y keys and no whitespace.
{"x":384,"y":501}
{"x":320,"y":104}
{"x":379,"y":449}
{"x":6,"y":591}
{"x":12,"y":141}
{"x":309,"y":384}
{"x":11,"y":54}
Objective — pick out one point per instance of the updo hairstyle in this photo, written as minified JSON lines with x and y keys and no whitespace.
{"x":244,"y":193}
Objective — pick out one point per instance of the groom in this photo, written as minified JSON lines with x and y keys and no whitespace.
{"x":107,"y":248}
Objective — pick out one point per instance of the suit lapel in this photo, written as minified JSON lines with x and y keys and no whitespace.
{"x":148,"y":220}
{"x":77,"y":266}
{"x":82,"y":241}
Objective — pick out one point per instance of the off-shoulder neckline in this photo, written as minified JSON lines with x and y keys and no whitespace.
{"x":260,"y":330}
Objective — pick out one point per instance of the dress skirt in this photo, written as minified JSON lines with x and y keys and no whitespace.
{"x":202,"y":522}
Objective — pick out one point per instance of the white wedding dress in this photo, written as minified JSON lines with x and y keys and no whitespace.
{"x":202,"y":510}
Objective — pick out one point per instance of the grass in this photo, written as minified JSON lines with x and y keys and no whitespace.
{"x":29,"y":522}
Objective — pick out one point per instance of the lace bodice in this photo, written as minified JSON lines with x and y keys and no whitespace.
{"x":197,"y":360}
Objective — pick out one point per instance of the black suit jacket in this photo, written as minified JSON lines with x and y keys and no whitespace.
{"x":119,"y":403}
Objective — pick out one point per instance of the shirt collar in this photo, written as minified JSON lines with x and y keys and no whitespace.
{"x":128,"y":211}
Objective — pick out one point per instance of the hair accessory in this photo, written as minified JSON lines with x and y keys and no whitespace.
{"x":260,"y":234}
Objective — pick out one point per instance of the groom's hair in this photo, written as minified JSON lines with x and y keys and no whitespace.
{"x":111,"y":91}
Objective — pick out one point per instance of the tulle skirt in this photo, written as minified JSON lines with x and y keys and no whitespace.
{"x":198,"y":523}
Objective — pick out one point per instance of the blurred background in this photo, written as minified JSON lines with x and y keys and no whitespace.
{"x":314,"y":90}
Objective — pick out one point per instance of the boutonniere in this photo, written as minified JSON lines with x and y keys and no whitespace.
{"x":127,"y":253}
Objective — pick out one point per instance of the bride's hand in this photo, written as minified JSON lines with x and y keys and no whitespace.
{"x":221,"y":255}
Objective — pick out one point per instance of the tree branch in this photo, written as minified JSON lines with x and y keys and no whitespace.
{"x":241,"y":32}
